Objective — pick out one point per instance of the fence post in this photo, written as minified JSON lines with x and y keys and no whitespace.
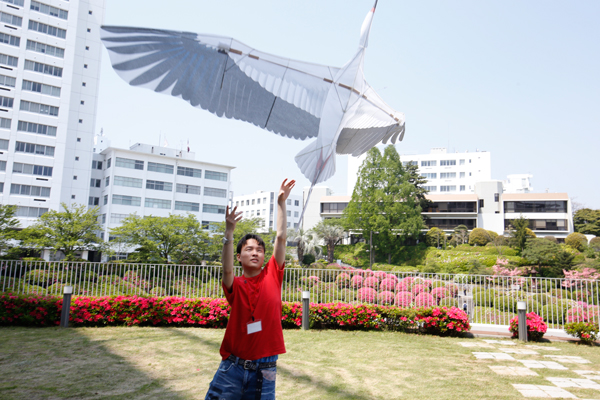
{"x":66,"y":307}
{"x":305,"y":310}
{"x":522,"y":312}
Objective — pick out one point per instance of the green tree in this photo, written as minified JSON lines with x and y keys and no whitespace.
{"x":587,"y":221}
{"x":306,"y":243}
{"x":479,"y":237}
{"x":8,"y":227}
{"x":576,"y":240}
{"x":518,"y":231}
{"x":461,"y":234}
{"x":74,"y":229}
{"x":548,"y":256}
{"x":435,"y":237}
{"x":385,"y":204}
{"x":175,"y":238}
{"x":331,"y":232}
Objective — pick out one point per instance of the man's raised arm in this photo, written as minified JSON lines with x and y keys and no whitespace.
{"x":231,"y":219}
{"x":281,"y":238}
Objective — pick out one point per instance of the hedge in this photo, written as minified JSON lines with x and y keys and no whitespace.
{"x":40,"y":311}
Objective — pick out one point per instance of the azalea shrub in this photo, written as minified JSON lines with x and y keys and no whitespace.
{"x":587,"y":332}
{"x":536,"y":327}
{"x":40,"y":311}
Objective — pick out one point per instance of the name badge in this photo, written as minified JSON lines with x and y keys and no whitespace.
{"x":254,"y":327}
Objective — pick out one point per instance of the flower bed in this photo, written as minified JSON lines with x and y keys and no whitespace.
{"x":213,"y":313}
{"x":536,"y":327}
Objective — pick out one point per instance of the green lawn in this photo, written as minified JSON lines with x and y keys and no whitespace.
{"x":178,"y":363}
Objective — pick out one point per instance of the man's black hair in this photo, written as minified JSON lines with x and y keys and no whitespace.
{"x":247,"y":237}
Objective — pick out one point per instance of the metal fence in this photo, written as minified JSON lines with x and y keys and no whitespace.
{"x":487,"y":299}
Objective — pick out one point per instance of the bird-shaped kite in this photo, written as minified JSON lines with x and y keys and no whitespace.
{"x":292,"y":98}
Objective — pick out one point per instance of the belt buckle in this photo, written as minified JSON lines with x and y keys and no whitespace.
{"x":248,"y":364}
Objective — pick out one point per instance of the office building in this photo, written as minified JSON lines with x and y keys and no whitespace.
{"x":263,"y":205}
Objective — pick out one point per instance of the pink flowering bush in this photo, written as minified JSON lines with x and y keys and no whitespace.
{"x":448,"y":321}
{"x":380,"y":275}
{"x":392,"y":277}
{"x":536,"y":327}
{"x":403,"y":299}
{"x":356,"y":282}
{"x":577,"y":278}
{"x":402,"y":287}
{"x":366,"y":294}
{"x":424,"y":300}
{"x":452,"y":289}
{"x":427,"y":282}
{"x":408,"y":281}
{"x":371,"y":282}
{"x":387,"y":284}
{"x":440,"y":293}
{"x":310,"y":280}
{"x":418,"y":288}
{"x":343,"y":280}
{"x":365,"y":273}
{"x":334,"y":266}
{"x":385,"y":297}
{"x":577,"y":314}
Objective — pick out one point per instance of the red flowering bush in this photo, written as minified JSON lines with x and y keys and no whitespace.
{"x":344,"y":316}
{"x":418,"y":288}
{"x":29,"y":310}
{"x":587,"y":332}
{"x":356,"y":282}
{"x":385,"y":297}
{"x":439,"y":293}
{"x":387,"y":284}
{"x":365,"y":273}
{"x":343,"y":280}
{"x":452,"y":289}
{"x":536,"y":327}
{"x":403,"y":299}
{"x":366,"y":294}
{"x":577,"y":314}
{"x":424,"y":300}
{"x":371,"y":282}
{"x":443,"y":320}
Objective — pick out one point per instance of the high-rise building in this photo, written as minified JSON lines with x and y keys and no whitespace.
{"x":263,"y":205}
{"x":49,"y":72}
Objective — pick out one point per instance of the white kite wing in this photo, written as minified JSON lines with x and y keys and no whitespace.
{"x":223,"y":76}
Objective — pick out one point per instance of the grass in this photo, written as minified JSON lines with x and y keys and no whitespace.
{"x":178,"y":363}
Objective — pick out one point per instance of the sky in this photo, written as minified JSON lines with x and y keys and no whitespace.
{"x":519,"y":79}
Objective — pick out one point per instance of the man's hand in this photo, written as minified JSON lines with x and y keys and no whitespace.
{"x":231,"y":219}
{"x":284,"y":190}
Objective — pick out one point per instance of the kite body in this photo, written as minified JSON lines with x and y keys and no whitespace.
{"x":334,"y":106}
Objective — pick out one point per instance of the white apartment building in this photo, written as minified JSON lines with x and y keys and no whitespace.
{"x":263,"y":205}
{"x":49,"y":71}
{"x":445,"y":172}
{"x":518,"y":183}
{"x":153,"y":180}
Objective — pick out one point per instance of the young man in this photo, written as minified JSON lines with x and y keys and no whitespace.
{"x":253,"y":338}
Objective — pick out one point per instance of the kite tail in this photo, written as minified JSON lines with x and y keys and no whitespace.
{"x":316,"y":166}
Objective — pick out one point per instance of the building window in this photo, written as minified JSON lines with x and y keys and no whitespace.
{"x":110,"y":159}
{"x":406,"y":163}
{"x":297,"y":203}
{"x":462,"y":175}
{"x":37,"y":149}
{"x":76,"y":158}
{"x":39,"y":108}
{"x":79,"y":139}
{"x":45,"y":49}
{"x":30,"y":169}
{"x":430,"y":188}
{"x":97,"y":165}
{"x":213,"y":192}
{"x":461,"y":162}
{"x":541,"y":224}
{"x":11,"y":19}
{"x":162,"y":168}
{"x":429,"y":163}
{"x":157,"y":203}
{"x":128,"y":163}
{"x":296,"y":214}
{"x":429,"y":176}
{"x":5,"y":123}
{"x":189,"y":189}
{"x":6,"y":102}
{"x":252,"y":199}
{"x":30,"y":212}
{"x":47,"y":29}
{"x":496,"y":197}
{"x":216,"y":176}
{"x":186,"y":171}
{"x":74,"y":177}
{"x":8,"y":60}
{"x":333,"y":208}
{"x":2,"y":165}
{"x":187,"y":206}
{"x":93,"y":201}
{"x":444,"y":163}
{"x":27,"y":190}
{"x":447,"y":175}
{"x":289,"y":202}
{"x":449,"y":188}
{"x":49,"y":10}
{"x":95,"y":182}
{"x":535,"y":206}
{"x":213,"y":209}
{"x":103,"y":218}
{"x":83,"y":84}
{"x":126,"y":200}
{"x":107,"y":181}
{"x":10,"y":39}
{"x":257,"y":201}
{"x":247,"y":202}
{"x":481,"y":203}
{"x":462,"y":188}
{"x":127,"y":181}
{"x":105,"y":199}
{"x":8,"y":81}
{"x":117,"y":218}
{"x":3,"y":144}
{"x":39,"y":129}
{"x":159,"y":185}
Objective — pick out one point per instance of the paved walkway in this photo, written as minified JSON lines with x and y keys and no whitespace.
{"x":486,"y":330}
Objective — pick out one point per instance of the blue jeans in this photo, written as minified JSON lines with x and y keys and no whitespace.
{"x":233,"y":382}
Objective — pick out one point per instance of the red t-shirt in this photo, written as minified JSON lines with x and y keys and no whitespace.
{"x":261,"y":294}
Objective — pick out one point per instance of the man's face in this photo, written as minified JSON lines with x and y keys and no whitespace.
{"x":252,"y":254}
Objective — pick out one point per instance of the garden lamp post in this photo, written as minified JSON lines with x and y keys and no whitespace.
{"x":522,"y":312}
{"x":305,"y":310}
{"x":66,"y":306}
